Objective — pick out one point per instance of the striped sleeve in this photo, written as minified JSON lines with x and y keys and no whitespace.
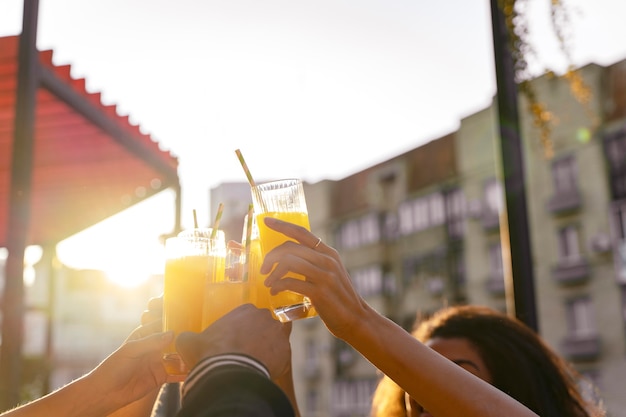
{"x":208,"y":364}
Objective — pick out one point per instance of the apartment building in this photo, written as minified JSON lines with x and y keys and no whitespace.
{"x":422,"y":230}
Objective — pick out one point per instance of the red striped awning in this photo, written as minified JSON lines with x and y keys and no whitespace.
{"x":89,"y":162}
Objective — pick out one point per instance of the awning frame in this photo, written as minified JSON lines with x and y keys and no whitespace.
{"x":32,"y":75}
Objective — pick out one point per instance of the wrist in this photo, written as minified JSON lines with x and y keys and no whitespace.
{"x":84,"y":397}
{"x":365,"y":332}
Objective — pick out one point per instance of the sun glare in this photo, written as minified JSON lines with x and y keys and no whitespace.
{"x":127,"y":263}
{"x":127,"y":277}
{"x":126,"y":246}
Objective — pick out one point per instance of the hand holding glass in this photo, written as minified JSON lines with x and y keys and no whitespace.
{"x":284,"y":200}
{"x":186,"y":272}
{"x":227,"y":286}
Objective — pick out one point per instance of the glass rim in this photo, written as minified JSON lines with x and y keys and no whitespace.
{"x":290,"y":181}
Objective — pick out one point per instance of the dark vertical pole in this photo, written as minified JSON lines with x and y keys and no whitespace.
{"x":512,"y":165}
{"x":52,"y":265}
{"x":19,"y":211}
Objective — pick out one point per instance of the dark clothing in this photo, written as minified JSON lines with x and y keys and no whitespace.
{"x":233,"y":390}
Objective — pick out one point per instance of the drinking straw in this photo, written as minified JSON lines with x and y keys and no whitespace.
{"x":218,"y":217}
{"x":195,"y":232}
{"x":249,"y":176}
{"x":245,"y":167}
{"x":247,"y":244}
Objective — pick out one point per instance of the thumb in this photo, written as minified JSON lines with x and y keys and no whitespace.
{"x":153,"y":343}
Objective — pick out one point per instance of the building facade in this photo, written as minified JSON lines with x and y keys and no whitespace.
{"x":422,"y":230}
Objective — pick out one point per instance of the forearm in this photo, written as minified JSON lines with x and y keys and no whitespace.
{"x":141,"y":408}
{"x":80,"y":398}
{"x":441,"y":386}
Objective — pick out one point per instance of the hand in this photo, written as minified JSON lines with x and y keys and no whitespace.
{"x":151,"y":324}
{"x":134,"y":370}
{"x":327,"y":282}
{"x":247,"y":330}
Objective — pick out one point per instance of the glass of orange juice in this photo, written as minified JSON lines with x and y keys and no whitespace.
{"x":227,"y":286}
{"x":186,"y":272}
{"x":284,"y":200}
{"x":259,"y":293}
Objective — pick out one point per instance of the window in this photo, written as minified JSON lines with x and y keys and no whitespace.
{"x":493,"y":196}
{"x":390,"y":285}
{"x":352,"y":397}
{"x":436,"y":209}
{"x":390,"y":226}
{"x":616,"y":151}
{"x":455,"y":203}
{"x":345,"y":356}
{"x":421,"y":213}
{"x":369,"y":229}
{"x":564,"y":175}
{"x":496,"y":269}
{"x":580,"y":318}
{"x":368,"y":281}
{"x":405,"y":217}
{"x":569,"y":244}
{"x":359,"y":232}
{"x":311,"y":357}
{"x":455,"y":210}
{"x":350,"y":235}
{"x":619,"y":220}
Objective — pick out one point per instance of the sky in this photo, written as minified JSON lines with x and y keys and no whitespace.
{"x":311,"y":89}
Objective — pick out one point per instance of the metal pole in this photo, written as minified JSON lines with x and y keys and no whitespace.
{"x":52,"y":264}
{"x":19,"y":211}
{"x":512,"y":169}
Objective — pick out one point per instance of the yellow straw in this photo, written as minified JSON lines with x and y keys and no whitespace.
{"x":247,"y":242}
{"x":249,"y":226}
{"x":218,"y":217}
{"x":245,"y":167}
{"x":250,"y":180}
{"x":195,"y":219}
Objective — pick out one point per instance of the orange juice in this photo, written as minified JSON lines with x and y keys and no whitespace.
{"x":259,"y":293}
{"x":285,"y":302}
{"x":183,"y":297}
{"x":222,"y":297}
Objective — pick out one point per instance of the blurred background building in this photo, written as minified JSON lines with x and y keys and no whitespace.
{"x":422,"y":230}
{"x":418,"y":232}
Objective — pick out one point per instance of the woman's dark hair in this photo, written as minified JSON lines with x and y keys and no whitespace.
{"x":519,"y":361}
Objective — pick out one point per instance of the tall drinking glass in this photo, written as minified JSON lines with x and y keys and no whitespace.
{"x":259,"y":293}
{"x":227,"y":287}
{"x":186,"y":272}
{"x":284,"y":200}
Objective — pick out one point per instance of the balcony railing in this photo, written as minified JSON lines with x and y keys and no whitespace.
{"x":495,"y":285}
{"x":578,"y":347}
{"x":571,"y":272}
{"x":565,"y":201}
